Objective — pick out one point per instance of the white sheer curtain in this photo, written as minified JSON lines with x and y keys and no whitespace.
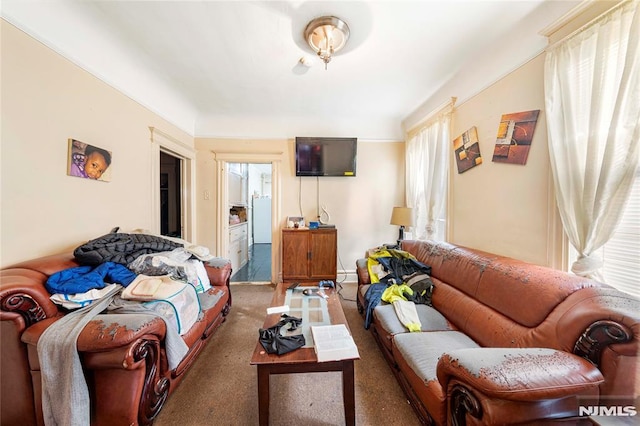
{"x":592,"y":96}
{"x":427,"y":166}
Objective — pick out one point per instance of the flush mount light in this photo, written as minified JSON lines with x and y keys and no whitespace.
{"x":326,"y":35}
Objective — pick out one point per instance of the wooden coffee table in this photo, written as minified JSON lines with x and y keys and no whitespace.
{"x":303,"y":360}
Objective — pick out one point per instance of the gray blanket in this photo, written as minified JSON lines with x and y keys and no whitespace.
{"x":175,"y":347}
{"x":65,"y":397}
{"x":121,"y":248}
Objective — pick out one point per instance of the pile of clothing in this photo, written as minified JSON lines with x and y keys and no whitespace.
{"x":119,"y":258}
{"x":397,"y":277}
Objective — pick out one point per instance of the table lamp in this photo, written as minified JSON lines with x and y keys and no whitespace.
{"x":402,"y":216}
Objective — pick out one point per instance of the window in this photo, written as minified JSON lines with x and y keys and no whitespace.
{"x":621,"y":255}
{"x":591,"y":92}
{"x":427,"y":167}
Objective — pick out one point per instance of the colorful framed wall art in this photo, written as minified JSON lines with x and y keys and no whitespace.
{"x":513,"y":140}
{"x":466,"y":148}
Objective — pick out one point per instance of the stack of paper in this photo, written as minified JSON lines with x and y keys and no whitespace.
{"x":333,"y":343}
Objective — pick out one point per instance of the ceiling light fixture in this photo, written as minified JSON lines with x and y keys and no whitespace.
{"x":326,"y":35}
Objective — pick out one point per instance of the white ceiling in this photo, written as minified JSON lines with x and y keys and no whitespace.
{"x":230,"y":68}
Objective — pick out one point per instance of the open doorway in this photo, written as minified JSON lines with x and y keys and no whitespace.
{"x":253,"y":214}
{"x":170,"y":195}
{"x":222,"y":202}
{"x":175,"y":209}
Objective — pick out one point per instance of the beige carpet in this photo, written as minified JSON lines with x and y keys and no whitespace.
{"x":221,"y":386}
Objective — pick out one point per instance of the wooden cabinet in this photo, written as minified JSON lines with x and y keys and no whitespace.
{"x":238,"y":246}
{"x":237,"y":179}
{"x":309,"y":254}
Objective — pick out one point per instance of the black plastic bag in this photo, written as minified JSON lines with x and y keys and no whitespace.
{"x":274,"y":342}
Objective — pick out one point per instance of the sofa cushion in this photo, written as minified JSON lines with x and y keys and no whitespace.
{"x":417,"y":356}
{"x":421,"y":351}
{"x":430,"y":319}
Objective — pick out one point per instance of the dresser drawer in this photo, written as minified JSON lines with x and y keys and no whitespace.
{"x":238,"y":233}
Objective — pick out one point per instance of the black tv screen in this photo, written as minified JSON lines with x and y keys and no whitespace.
{"x":326,"y":156}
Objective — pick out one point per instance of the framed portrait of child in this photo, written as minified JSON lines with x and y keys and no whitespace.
{"x":88,"y":161}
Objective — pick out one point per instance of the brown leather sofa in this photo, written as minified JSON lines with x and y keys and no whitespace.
{"x":507,"y":342}
{"x":124,"y":363}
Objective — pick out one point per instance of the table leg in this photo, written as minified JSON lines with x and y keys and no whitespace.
{"x":263,"y":394}
{"x":348,"y":392}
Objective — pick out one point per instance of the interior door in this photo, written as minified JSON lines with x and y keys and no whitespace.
{"x":170,"y":195}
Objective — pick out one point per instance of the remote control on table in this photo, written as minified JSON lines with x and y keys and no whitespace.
{"x":294,"y":285}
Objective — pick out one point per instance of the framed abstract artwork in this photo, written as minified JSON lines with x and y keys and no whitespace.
{"x":466,"y":148}
{"x":513,"y":140}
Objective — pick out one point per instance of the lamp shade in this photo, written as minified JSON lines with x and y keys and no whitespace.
{"x":402,"y":216}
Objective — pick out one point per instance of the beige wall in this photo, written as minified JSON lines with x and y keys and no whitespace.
{"x":360,"y":206}
{"x":45,"y":101}
{"x":506,"y":208}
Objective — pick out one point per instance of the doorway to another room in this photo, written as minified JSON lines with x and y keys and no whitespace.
{"x":170,"y":195}
{"x":250,"y":233}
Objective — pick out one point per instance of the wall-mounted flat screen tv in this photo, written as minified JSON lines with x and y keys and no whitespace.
{"x":317,"y":156}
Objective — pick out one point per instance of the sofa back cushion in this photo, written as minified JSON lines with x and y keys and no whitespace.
{"x":512,"y":297}
{"x":452,"y":264}
{"x":49,"y":265}
{"x":524,"y":292}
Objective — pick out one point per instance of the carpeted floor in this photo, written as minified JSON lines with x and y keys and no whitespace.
{"x":221,"y":386}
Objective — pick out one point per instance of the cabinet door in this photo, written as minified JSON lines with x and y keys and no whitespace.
{"x":295,"y":252}
{"x":323,"y":259}
{"x":234,"y":256}
{"x":244,"y":251}
{"x":234,"y":188}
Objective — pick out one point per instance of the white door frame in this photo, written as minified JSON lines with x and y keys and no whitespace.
{"x":161,"y":141}
{"x":222,"y":200}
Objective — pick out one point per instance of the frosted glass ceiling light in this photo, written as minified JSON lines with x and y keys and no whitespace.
{"x":326,"y":35}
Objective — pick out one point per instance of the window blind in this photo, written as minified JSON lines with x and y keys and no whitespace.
{"x":621,"y":254}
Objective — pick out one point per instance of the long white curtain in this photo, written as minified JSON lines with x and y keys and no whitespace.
{"x":592,"y":97}
{"x":427,"y":165}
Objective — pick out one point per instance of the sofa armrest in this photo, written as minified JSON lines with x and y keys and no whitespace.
{"x":219,"y":271}
{"x":108,"y":332}
{"x":601,"y":318}
{"x":23,"y":297}
{"x":517,"y":375}
{"x":363,"y":272}
{"x":122,"y":354}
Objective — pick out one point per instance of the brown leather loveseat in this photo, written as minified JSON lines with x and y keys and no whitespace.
{"x":507,"y":342}
{"x":124,"y":361}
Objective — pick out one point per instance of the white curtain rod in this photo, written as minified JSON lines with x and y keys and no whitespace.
{"x":586,"y":25}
